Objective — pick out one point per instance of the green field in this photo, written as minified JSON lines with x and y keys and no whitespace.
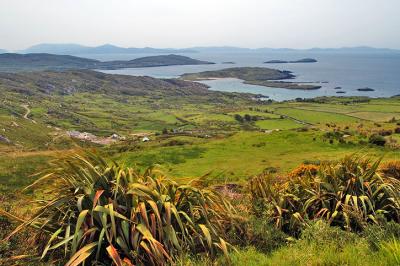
{"x":245,"y":154}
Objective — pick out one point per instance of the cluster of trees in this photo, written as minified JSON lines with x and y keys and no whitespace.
{"x":246,"y":118}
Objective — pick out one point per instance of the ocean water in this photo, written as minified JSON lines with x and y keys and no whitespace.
{"x":378,"y":71}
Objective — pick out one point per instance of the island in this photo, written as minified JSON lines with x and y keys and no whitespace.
{"x":229,"y":63}
{"x":11,"y":62}
{"x":261,"y":76}
{"x":365,"y":89}
{"x":304,"y":60}
{"x":340,"y":92}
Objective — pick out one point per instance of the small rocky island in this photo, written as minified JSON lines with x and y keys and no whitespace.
{"x":261,"y":76}
{"x":365,"y":89}
{"x":304,"y":60}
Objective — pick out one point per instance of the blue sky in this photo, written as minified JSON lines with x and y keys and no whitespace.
{"x":185,"y":23}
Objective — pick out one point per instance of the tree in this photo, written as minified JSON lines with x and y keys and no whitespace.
{"x":239,"y":118}
{"x":247,"y":117}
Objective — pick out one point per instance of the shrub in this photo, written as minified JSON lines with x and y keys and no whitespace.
{"x":107,"y":213}
{"x":391,"y":169}
{"x":377,"y":140}
{"x":385,"y":132}
{"x":321,"y":233}
{"x":349,"y":194}
{"x":304,"y":169}
{"x":264,"y":236}
{"x":397,"y":130}
{"x":247,"y":117}
{"x":239,"y":118}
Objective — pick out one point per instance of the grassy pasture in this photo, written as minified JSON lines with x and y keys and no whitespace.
{"x":245,"y":154}
{"x":281,"y":124}
{"x":316,"y":117}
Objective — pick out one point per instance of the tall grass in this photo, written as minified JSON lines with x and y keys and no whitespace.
{"x":349,"y":193}
{"x":108,"y":213}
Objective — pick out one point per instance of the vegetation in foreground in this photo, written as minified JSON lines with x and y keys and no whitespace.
{"x":323,"y":214}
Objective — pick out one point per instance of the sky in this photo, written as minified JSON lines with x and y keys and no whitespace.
{"x":188,"y":23}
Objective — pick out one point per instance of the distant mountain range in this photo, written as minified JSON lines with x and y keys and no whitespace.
{"x":39,"y":61}
{"x":76,"y":49}
{"x":231,"y":49}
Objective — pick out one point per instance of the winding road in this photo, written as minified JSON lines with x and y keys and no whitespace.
{"x":28,"y":111}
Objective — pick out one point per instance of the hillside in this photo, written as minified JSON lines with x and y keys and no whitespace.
{"x":49,"y":83}
{"x":27,"y":62}
{"x":19,"y":62}
{"x":96,"y":102}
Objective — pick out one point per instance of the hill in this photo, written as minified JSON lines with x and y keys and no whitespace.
{"x":47,"y":83}
{"x":28,"y":62}
{"x":38,"y":108}
{"x":19,"y":62}
{"x":76,"y":49}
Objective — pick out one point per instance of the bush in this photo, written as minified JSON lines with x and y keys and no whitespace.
{"x":397,"y":130}
{"x":304,"y":169}
{"x":264,"y":236}
{"x":321,"y":233}
{"x":107,"y":213}
{"x":391,"y":169}
{"x":247,"y":117}
{"x":385,"y":132}
{"x":349,"y":194}
{"x":239,"y":118}
{"x":377,"y":140}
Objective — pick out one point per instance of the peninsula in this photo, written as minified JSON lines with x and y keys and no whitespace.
{"x":28,"y":62}
{"x":261,"y":76}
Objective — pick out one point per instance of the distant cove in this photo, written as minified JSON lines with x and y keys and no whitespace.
{"x":349,"y":71}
